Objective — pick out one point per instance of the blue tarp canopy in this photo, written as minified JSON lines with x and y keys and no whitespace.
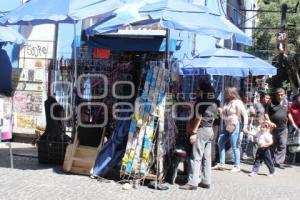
{"x":52,"y":11}
{"x":226,"y":62}
{"x":175,"y":14}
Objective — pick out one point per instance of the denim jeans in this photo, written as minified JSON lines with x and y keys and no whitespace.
{"x":234,"y":138}
{"x":263,"y":155}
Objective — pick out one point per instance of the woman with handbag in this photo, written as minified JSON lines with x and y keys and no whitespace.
{"x":232,"y":112}
{"x":201,"y":134}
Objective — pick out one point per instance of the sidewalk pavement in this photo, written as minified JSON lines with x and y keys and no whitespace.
{"x":32,"y":181}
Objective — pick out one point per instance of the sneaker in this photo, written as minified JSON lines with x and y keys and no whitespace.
{"x":187,"y":187}
{"x":245,"y":157}
{"x":235,"y":169}
{"x":252,"y":174}
{"x":280,"y":166}
{"x":271,"y":174}
{"x":219,"y":167}
{"x":203,"y":185}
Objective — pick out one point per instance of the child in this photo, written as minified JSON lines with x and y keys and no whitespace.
{"x":264,"y":141}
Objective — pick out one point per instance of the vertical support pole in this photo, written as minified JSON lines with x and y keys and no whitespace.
{"x":75,"y":55}
{"x":284,"y":8}
{"x":11,"y":156}
{"x":54,"y":63}
{"x":282,"y":30}
{"x":167,"y":50}
{"x":222,"y":100}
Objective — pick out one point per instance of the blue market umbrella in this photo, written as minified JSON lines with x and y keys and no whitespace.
{"x":226,"y":62}
{"x":10,"y":35}
{"x":65,"y":11}
{"x":175,"y":14}
{"x":53,"y":11}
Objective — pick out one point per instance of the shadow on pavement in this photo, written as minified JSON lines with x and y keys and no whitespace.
{"x":25,"y":159}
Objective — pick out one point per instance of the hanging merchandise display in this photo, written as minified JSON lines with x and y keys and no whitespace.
{"x":104,"y":87}
{"x":147,"y":123}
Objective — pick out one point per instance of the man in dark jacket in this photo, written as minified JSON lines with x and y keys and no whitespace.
{"x":277,"y":113}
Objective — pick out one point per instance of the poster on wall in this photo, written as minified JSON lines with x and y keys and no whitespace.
{"x":28,"y":102}
{"x":28,"y":110}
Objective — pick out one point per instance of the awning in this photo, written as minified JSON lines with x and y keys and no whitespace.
{"x":131,"y":43}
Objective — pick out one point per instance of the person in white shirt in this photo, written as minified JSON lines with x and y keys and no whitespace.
{"x":233,"y":113}
{"x":264,"y":141}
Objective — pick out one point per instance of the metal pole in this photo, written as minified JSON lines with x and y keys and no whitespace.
{"x":75,"y":55}
{"x":282,"y":29}
{"x":222,"y":101}
{"x":54,"y":57}
{"x":283,"y":16}
{"x":11,"y":156}
{"x":167,"y":50}
{"x":55,"y":42}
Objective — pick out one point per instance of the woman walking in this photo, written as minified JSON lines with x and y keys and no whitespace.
{"x":233,"y":113}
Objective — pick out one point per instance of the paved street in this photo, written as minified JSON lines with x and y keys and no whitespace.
{"x":29,"y":180}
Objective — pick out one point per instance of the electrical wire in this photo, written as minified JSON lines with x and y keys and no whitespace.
{"x":248,"y":19}
{"x":233,"y":8}
{"x":220,"y":4}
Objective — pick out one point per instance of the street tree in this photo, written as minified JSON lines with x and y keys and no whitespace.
{"x":287,"y":60}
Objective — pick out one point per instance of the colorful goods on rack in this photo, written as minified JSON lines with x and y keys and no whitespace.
{"x":147,"y":122}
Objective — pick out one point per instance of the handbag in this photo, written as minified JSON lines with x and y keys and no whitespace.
{"x":294,"y":138}
{"x":230,"y":127}
{"x":293,"y":141}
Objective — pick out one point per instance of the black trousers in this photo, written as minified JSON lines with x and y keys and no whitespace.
{"x":263,"y":155}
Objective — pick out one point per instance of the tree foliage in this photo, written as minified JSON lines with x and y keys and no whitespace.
{"x":265,"y":39}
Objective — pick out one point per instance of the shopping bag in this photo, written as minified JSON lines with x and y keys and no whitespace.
{"x":294,"y":138}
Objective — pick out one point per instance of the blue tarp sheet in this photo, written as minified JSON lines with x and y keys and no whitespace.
{"x":112,"y":152}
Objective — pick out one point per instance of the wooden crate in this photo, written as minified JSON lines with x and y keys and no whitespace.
{"x":82,"y":161}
